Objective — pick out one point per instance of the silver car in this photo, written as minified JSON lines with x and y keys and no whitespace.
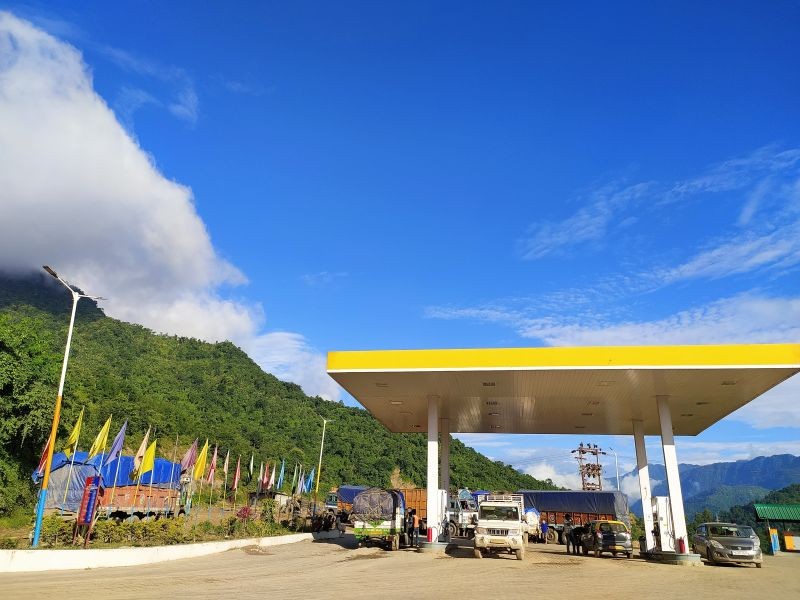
{"x":727,"y":543}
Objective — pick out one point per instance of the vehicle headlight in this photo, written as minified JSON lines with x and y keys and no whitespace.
{"x":481,"y":530}
{"x":716,"y":544}
{"x":756,"y":543}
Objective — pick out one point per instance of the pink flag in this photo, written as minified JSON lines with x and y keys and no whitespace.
{"x":39,"y":473}
{"x":213,"y":468}
{"x":265,"y":477}
{"x":238,"y":474}
{"x":225,"y":466}
{"x":188,"y":460}
{"x":271,"y":483}
{"x":261,"y":475}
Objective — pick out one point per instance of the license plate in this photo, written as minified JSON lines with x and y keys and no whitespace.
{"x":500,"y":541}
{"x":741,"y":552}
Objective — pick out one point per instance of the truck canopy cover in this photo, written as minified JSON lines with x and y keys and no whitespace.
{"x":164,"y":475}
{"x":375,"y":504}
{"x":347,"y":493}
{"x":608,"y":503}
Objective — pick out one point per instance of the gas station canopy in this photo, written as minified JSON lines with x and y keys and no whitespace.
{"x":588,"y":390}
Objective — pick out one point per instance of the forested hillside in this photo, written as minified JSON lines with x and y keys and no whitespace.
{"x":188,"y":388}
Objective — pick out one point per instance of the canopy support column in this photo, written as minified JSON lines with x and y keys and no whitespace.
{"x":433,"y":517}
{"x":444,"y":476}
{"x":644,"y":481}
{"x":673,"y":477}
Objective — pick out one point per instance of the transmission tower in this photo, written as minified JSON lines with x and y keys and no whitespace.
{"x":591,"y":472}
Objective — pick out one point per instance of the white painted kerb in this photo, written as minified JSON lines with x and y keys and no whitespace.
{"x":17,"y":561}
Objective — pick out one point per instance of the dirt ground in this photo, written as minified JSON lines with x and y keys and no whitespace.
{"x":337,"y":569}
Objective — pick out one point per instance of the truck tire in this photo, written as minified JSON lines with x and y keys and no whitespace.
{"x":477,"y":552}
{"x":520,"y":553}
{"x":552,"y":536}
{"x":452,"y":530}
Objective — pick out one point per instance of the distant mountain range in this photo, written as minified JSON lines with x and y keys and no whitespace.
{"x":719,"y":486}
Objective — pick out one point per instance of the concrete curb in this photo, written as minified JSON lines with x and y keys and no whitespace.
{"x":19,"y":561}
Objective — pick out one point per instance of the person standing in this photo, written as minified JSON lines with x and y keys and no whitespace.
{"x":567,"y":533}
{"x":414,"y":529}
{"x":544,"y":530}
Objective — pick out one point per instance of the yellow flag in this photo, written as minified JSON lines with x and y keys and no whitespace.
{"x":200,"y":464}
{"x":101,"y":440}
{"x":149,"y":460}
{"x":72,"y":440}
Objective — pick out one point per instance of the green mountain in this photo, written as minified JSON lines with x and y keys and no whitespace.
{"x":189,"y":388}
{"x":723,"y":497}
{"x":745,"y":514}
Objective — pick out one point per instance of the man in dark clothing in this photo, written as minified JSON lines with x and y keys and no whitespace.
{"x":567,"y":531}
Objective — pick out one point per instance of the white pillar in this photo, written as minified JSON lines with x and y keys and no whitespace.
{"x":444,"y":476}
{"x":673,"y":477}
{"x":644,"y":481}
{"x":433,"y":518}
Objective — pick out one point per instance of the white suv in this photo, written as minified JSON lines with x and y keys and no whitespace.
{"x":499,"y":525}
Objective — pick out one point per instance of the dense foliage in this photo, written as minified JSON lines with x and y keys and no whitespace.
{"x":745,"y":514}
{"x":188,"y":388}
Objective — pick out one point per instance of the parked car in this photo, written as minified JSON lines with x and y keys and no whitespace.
{"x":727,"y":542}
{"x":606,"y":536}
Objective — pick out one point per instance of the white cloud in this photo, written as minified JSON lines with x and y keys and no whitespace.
{"x":78,"y":193}
{"x":290,"y":357}
{"x":590,"y":223}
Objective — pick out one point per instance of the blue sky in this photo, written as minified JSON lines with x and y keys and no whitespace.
{"x":304,"y":177}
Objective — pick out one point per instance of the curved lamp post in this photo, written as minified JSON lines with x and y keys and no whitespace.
{"x":616,"y":464}
{"x":319,"y":465}
{"x":37,"y":529}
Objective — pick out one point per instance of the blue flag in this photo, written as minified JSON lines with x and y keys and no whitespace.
{"x":309,"y":482}
{"x":116,"y":445}
{"x":280,"y":475}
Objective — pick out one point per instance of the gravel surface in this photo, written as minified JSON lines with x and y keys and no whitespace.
{"x":337,"y":569}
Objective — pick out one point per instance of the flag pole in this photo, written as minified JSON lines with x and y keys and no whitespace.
{"x":116,"y":474}
{"x":225,"y":489}
{"x":69,"y":476}
{"x":172,"y":470}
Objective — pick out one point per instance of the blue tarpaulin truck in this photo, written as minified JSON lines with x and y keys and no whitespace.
{"x":581,"y":506}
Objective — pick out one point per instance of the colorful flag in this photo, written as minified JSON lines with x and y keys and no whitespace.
{"x":39,"y":472}
{"x":200,"y":464}
{"x":294,"y":478}
{"x":261,"y":475}
{"x":139,"y":456}
{"x":72,"y":440}
{"x":101,"y":441}
{"x":116,"y":445}
{"x":250,"y":471}
{"x":237,"y":474}
{"x":280,"y":475}
{"x":265,"y":477}
{"x":271,"y":483}
{"x":225,"y":466}
{"x":301,"y":484}
{"x":148,"y":461}
{"x":188,"y":460}
{"x":213,"y":468}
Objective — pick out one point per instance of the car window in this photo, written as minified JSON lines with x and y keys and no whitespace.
{"x":502,"y":513}
{"x":701,"y":530}
{"x":745,"y":532}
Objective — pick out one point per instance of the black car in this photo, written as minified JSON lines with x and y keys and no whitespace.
{"x":607,"y":536}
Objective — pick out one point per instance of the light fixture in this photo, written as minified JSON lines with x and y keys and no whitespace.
{"x":729,"y":382}
{"x":397,"y":402}
{"x":495,"y":426}
{"x":702,"y":403}
{"x":586,"y":414}
{"x":687,"y":414}
{"x":580,"y":426}
{"x":494,"y":414}
{"x":417,"y":426}
{"x":381,"y":384}
{"x":405,"y":412}
{"x":606,"y":383}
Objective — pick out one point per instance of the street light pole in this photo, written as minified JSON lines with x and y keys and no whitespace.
{"x":616,"y":464}
{"x":57,"y":412}
{"x":319,"y":464}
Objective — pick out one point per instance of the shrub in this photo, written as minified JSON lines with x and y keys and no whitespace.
{"x":8,"y":543}
{"x":56,"y":531}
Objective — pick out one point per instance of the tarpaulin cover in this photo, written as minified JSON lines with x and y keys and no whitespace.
{"x":347,"y":493}
{"x":601,"y":503}
{"x":164,"y":475}
{"x":375,"y":504}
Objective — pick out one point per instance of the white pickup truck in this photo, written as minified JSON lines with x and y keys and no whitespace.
{"x":500,"y":525}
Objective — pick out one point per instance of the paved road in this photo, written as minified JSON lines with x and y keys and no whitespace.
{"x":329,"y":569}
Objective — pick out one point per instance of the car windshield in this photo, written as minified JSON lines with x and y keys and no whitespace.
{"x":731,"y":531}
{"x":612,"y":527}
{"x":500,"y":513}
